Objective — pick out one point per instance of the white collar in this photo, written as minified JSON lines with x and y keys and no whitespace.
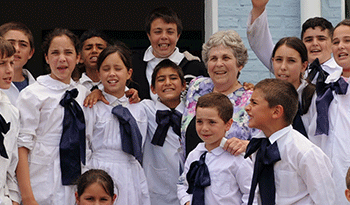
{"x":176,"y":56}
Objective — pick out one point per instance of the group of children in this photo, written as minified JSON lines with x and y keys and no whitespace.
{"x":138,"y":144}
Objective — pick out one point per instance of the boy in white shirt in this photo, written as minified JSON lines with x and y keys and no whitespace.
{"x":229,"y":176}
{"x":9,"y":128}
{"x":300,"y":172}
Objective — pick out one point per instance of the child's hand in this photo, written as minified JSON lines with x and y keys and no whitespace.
{"x":29,"y":202}
{"x":188,"y":203}
{"x":248,"y":86}
{"x":93,"y":97}
{"x":236,"y":146}
{"x":133,"y":95}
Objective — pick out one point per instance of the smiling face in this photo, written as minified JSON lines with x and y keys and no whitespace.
{"x":6,"y":72}
{"x":114,"y":75}
{"x":92,"y":47}
{"x":163,"y":37}
{"x":95,"y":194}
{"x":341,"y":46}
{"x":318,"y":43}
{"x":210,"y":127}
{"x":288,"y":65}
{"x":223,"y":69}
{"x":62,"y":58}
{"x":168,"y":87}
{"x":22,"y":45}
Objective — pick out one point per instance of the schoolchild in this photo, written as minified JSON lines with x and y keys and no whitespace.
{"x":22,"y":39}
{"x":288,"y":167}
{"x":212,"y":175}
{"x":9,"y":128}
{"x":95,"y":186}
{"x":92,"y":44}
{"x":162,"y":150}
{"x":331,"y":125}
{"x":289,"y":59}
{"x":316,"y":35}
{"x":347,"y":190}
{"x":163,"y":27}
{"x":52,"y":133}
{"x":116,"y":132}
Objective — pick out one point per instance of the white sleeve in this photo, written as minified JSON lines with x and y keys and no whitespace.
{"x":182,"y":184}
{"x":260,"y":40}
{"x":244,"y":177}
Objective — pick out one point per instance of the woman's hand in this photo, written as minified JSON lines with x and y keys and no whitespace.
{"x":93,"y":97}
{"x":133,"y":95}
{"x":235,"y":146}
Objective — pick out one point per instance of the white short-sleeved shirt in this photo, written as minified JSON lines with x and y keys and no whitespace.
{"x":230,"y":177}
{"x":304,"y":173}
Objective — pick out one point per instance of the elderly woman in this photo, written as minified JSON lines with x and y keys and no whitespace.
{"x":224,"y":56}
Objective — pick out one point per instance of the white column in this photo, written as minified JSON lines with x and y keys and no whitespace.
{"x":211,"y":18}
{"x":309,"y":9}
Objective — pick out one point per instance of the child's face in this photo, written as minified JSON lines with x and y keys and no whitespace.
{"x":168,"y":87}
{"x":62,"y":58}
{"x":114,"y":75}
{"x":259,"y":111}
{"x":347,"y":194}
{"x":210,"y":127}
{"x":92,"y":47}
{"x":163,"y":37}
{"x":94,"y":194}
{"x":318,"y":44}
{"x":341,"y":46}
{"x":288,"y":66}
{"x":22,"y":45}
{"x":6,"y":72}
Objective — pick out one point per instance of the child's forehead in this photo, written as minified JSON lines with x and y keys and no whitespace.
{"x":169,"y":69}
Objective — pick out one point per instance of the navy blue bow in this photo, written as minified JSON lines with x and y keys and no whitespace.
{"x":165,"y":119}
{"x":266,"y":157}
{"x":198,"y":178}
{"x":315,"y":68}
{"x":298,"y":123}
{"x":129,"y":131}
{"x":324,"y":99}
{"x":4,"y":128}
{"x":72,"y":144}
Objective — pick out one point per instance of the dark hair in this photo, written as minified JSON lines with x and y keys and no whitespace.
{"x":6,"y":48}
{"x":166,"y":63}
{"x":95,"y":175}
{"x":345,"y":22}
{"x":18,"y":26}
{"x":93,"y":33}
{"x":165,"y":13}
{"x":60,"y":32}
{"x":317,"y":22}
{"x":348,"y":179}
{"x":280,"y":92}
{"x":218,"y":101}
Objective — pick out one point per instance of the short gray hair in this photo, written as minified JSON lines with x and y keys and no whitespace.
{"x":229,"y":39}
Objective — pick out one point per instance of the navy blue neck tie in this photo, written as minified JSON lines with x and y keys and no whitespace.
{"x":165,"y":119}
{"x":72,"y":144}
{"x":266,"y":157}
{"x":129,"y":131}
{"x":298,"y":123}
{"x":324,"y":99}
{"x":198,"y":178}
{"x":315,"y":68}
{"x":4,"y":128}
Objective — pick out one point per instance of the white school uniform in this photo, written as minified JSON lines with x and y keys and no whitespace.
{"x":260,"y":41}
{"x":304,"y":173}
{"x":41,"y":118}
{"x":9,"y":190}
{"x":88,"y":83}
{"x":230,"y":177}
{"x":107,"y":154}
{"x":13,"y":91}
{"x":162,"y":164}
{"x":337,"y":144}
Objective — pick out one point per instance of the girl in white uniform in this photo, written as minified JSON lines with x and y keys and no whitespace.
{"x":39,"y":168}
{"x":107,"y":142}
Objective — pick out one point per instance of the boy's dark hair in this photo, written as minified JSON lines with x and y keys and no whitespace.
{"x":348,"y":179}
{"x":6,"y":48}
{"x":60,"y":32}
{"x":218,"y":101}
{"x":165,"y":13}
{"x":93,"y":33}
{"x":18,"y":26}
{"x":280,"y":92}
{"x":317,"y":22}
{"x":166,"y":63}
